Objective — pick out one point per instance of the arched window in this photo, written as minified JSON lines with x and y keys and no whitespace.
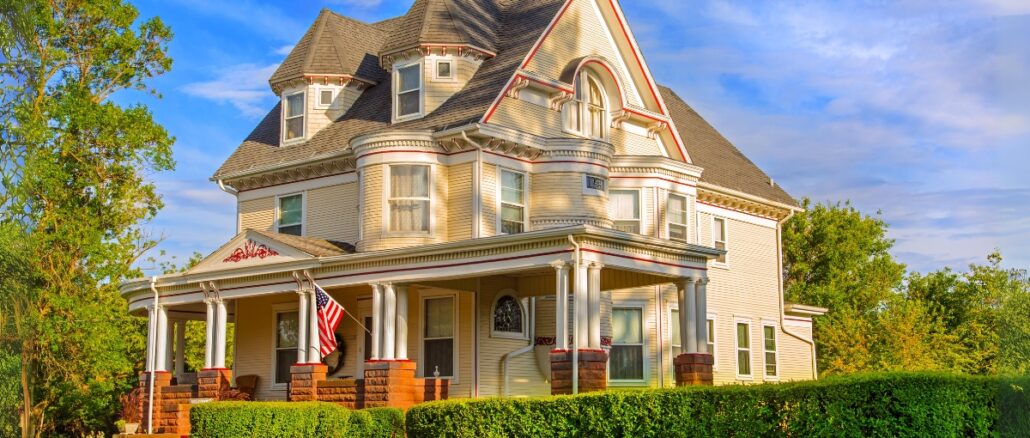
{"x":587,"y":114}
{"x":508,"y":318}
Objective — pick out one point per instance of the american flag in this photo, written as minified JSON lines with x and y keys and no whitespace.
{"x":329,"y":314}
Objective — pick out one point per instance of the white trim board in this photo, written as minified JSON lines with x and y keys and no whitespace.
{"x":735,"y":215}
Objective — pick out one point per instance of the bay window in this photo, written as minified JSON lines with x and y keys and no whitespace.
{"x":676,"y":211}
{"x":627,"y":354}
{"x":624,"y":209}
{"x":409,"y":198}
{"x":293,"y":116}
{"x":438,"y":337}
{"x":513,"y":202}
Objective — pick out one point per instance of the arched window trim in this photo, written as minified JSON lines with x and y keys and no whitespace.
{"x":523,"y":313}
{"x":577,"y":113}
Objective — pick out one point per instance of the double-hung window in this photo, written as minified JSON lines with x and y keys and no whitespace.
{"x":769,"y":344}
{"x":676,"y":212}
{"x":711,"y":336}
{"x":286,"y":330}
{"x":624,"y":209}
{"x":627,"y":353}
{"x":743,"y":349}
{"x":513,"y":202}
{"x":719,"y":237}
{"x":408,"y":101}
{"x":438,"y":337}
{"x":293,"y":116}
{"x":409,"y":198}
{"x":587,"y":114}
{"x":291,"y":215}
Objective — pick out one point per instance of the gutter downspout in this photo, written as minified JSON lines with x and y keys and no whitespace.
{"x":512,"y":354}
{"x":575,"y":319}
{"x":779,"y":282}
{"x":234,"y":193}
{"x":152,"y":363}
{"x":477,"y":183}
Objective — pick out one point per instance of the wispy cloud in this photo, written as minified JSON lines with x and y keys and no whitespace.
{"x":260,"y":17}
{"x":244,"y":86}
{"x":284,"y":50}
{"x":357,"y":3}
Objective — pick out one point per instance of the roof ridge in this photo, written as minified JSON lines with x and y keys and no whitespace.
{"x":320,"y":25}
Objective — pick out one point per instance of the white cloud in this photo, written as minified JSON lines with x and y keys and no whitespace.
{"x":284,"y":50}
{"x":244,"y":86}
{"x":357,"y":3}
{"x":260,"y":17}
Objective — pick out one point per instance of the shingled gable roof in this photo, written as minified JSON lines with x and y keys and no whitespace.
{"x":472,"y":22}
{"x":336,"y":45}
{"x":724,"y":165}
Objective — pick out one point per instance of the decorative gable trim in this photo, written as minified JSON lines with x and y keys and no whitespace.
{"x":249,"y":250}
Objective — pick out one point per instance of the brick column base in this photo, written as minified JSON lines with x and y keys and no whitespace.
{"x":693,"y":369}
{"x":389,"y":383}
{"x":304,"y":381}
{"x":162,"y":380}
{"x":212,"y":381}
{"x":593,"y":371}
{"x":431,"y":389}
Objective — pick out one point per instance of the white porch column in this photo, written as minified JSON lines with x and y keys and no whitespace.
{"x":389,"y":320}
{"x":582,"y":337}
{"x":402,"y":323}
{"x":561,"y":333}
{"x":170,"y":344}
{"x":702,"y":315}
{"x":377,"y":320}
{"x":688,"y":315}
{"x":151,"y":337}
{"x":594,"y":304}
{"x":161,"y":358}
{"x":302,"y":333}
{"x":314,"y":342}
{"x":221,"y":319}
{"x":180,"y":347}
{"x":209,"y":334}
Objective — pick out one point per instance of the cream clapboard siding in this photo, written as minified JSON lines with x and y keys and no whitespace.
{"x":488,"y":192}
{"x":332,"y":213}
{"x":628,"y":143}
{"x":439,"y":90}
{"x":258,"y":214}
{"x":459,"y":202}
{"x":529,"y":117}
{"x":564,"y":199}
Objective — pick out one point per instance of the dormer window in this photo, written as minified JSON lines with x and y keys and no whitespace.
{"x":587,"y":114}
{"x":444,"y":71}
{"x":326,"y":96}
{"x":408,"y":100}
{"x":293,"y":116}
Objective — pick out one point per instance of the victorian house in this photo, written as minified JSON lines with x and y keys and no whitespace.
{"x":504,"y":201}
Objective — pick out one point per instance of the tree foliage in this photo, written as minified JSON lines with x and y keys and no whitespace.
{"x":74,"y":191}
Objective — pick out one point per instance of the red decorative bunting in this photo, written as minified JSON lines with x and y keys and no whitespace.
{"x":250,"y":250}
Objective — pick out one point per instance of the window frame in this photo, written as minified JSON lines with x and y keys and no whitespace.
{"x":285,"y":118}
{"x":737,"y":349}
{"x":303,"y":211}
{"x":421,"y":363}
{"x":278,"y":309}
{"x":387,"y":197}
{"x":640,"y":207}
{"x":396,"y":91}
{"x":645,"y":361}
{"x":436,"y":70}
{"x":579,"y":107}
{"x":500,"y":201}
{"x":318,"y":96}
{"x":524,"y":335}
{"x":713,"y":333}
{"x":725,"y":262}
{"x":775,"y":351}
{"x":686,"y":214}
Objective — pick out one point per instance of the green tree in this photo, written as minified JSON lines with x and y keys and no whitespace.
{"x":74,"y":187}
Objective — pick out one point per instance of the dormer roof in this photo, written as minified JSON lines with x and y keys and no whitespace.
{"x":446,"y":22}
{"x":336,"y":47}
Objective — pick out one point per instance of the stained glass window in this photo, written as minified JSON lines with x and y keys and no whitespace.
{"x":508,"y":316}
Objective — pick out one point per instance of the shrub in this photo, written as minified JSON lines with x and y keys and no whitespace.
{"x":292,"y":419}
{"x":898,"y":404}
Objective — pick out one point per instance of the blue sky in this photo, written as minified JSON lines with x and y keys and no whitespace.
{"x":914,"y":109}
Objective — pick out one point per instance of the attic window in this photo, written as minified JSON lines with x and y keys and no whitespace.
{"x":293,"y":116}
{"x":326,"y":96}
{"x":587,"y":114}
{"x":444,"y":70}
{"x":409,"y":91}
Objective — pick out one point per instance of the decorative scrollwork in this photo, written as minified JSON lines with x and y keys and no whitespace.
{"x":250,"y":250}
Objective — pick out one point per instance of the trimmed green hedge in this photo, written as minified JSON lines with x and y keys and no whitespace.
{"x":897,"y":404}
{"x":292,"y":419}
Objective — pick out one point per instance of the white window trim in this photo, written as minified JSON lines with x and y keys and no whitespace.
{"x":668,"y":217}
{"x":715,"y":340}
{"x":646,"y":362}
{"x":750,"y":349}
{"x":276,"y":310}
{"x":454,"y":72}
{"x":640,"y":207}
{"x":594,"y":192}
{"x":421,"y":365}
{"x":726,"y":240}
{"x":584,"y":112}
{"x":395,"y":110}
{"x":303,"y":210}
{"x":318,"y":96}
{"x":303,"y":115}
{"x":524,"y":335}
{"x":674,"y":351}
{"x":776,"y":351}
{"x":386,"y":202}
{"x":525,"y":198}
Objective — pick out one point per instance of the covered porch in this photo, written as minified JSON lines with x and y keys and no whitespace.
{"x":527,"y":314}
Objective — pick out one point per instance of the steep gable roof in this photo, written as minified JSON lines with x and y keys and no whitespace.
{"x":472,"y":22}
{"x":724,"y":165}
{"x":336,"y":45}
